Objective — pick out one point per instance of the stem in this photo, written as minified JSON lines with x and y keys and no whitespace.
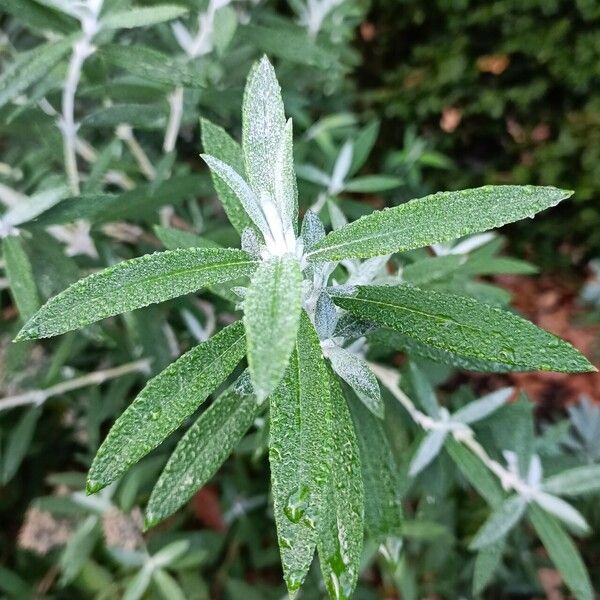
{"x":125,"y":133}
{"x":464,"y":435}
{"x":175,"y":116}
{"x":96,"y":378}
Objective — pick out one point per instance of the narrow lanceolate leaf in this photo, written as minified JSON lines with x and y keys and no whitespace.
{"x":218,"y":143}
{"x":500,"y":522}
{"x":284,"y":180}
{"x":20,"y":276}
{"x":428,"y":449}
{"x":263,"y":121}
{"x":240,"y":189}
{"x":300,"y":453}
{"x":475,"y":472}
{"x":562,"y":510}
{"x":486,"y":564}
{"x":355,"y":372}
{"x":142,"y":17}
{"x":484,"y":407}
{"x":434,"y":219}
{"x":165,"y":402}
{"x":271,"y":313}
{"x":466,"y":328}
{"x":136,"y":283}
{"x":340,"y":527}
{"x":574,"y":482}
{"x":562,"y":552}
{"x":30,"y":67}
{"x":202,"y":450}
{"x":383,"y":510}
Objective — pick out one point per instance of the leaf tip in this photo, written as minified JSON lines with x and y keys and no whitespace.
{"x":92,"y":487}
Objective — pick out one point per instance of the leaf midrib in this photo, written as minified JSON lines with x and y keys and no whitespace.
{"x":428,"y":315}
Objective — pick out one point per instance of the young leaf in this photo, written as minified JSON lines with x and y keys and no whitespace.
{"x":562,"y":510}
{"x":202,"y":450}
{"x":142,"y":17}
{"x":574,"y":482}
{"x":428,"y":449}
{"x":484,"y":407}
{"x":465,"y":327}
{"x":326,"y":317}
{"x":263,"y":121}
{"x":165,"y":402}
{"x":300,"y":453}
{"x":271,"y":313}
{"x":383,"y":510}
{"x":355,"y":372}
{"x":30,"y":67}
{"x":218,"y":143}
{"x":17,"y":444}
{"x":500,"y":522}
{"x":136,"y":283}
{"x":369,"y":184}
{"x":312,"y":230}
{"x":563,"y":553}
{"x":434,"y":219}
{"x":284,"y":182}
{"x":240,"y":189}
{"x":20,"y":276}
{"x":341,"y":523}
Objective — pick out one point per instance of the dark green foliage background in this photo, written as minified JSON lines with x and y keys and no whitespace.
{"x":423,"y":58}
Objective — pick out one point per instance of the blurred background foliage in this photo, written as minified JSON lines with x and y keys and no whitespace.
{"x":508,"y":89}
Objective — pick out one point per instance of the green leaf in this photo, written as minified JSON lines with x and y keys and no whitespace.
{"x":563,"y":553}
{"x":149,"y":64}
{"x":169,"y":588}
{"x":466,"y":328}
{"x":218,"y":143}
{"x":31,"y":66}
{"x":37,"y":17}
{"x":500,"y":522}
{"x":431,"y":445}
{"x":135,"y":283}
{"x":20,"y":276}
{"x":434,"y":219}
{"x":79,"y":548}
{"x":383,"y":510}
{"x":363,"y":144}
{"x":574,"y":482}
{"x":486,"y":564}
{"x":17,"y":444}
{"x":164,"y":403}
{"x":145,"y":116}
{"x":341,"y":523}
{"x":263,"y":121}
{"x":271,"y":313}
{"x":300,"y":448}
{"x":142,"y":17}
{"x":432,"y":268}
{"x":225,"y":24}
{"x":356,"y":373}
{"x":475,"y":472}
{"x":372,"y":183}
{"x":284,"y":182}
{"x":202,"y":450}
{"x":423,"y":390}
{"x":290,"y":43}
{"x":173,"y":239}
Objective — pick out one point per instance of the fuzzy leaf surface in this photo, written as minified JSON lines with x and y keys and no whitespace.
{"x":271,"y":314}
{"x":383,"y":510}
{"x":134,"y":284}
{"x":165,"y":402}
{"x":218,"y":143}
{"x":435,"y":219}
{"x":465,"y":327}
{"x":300,"y":450}
{"x":142,"y":17}
{"x":263,"y":122}
{"x":340,"y":526}
{"x":500,"y":522}
{"x":202,"y":450}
